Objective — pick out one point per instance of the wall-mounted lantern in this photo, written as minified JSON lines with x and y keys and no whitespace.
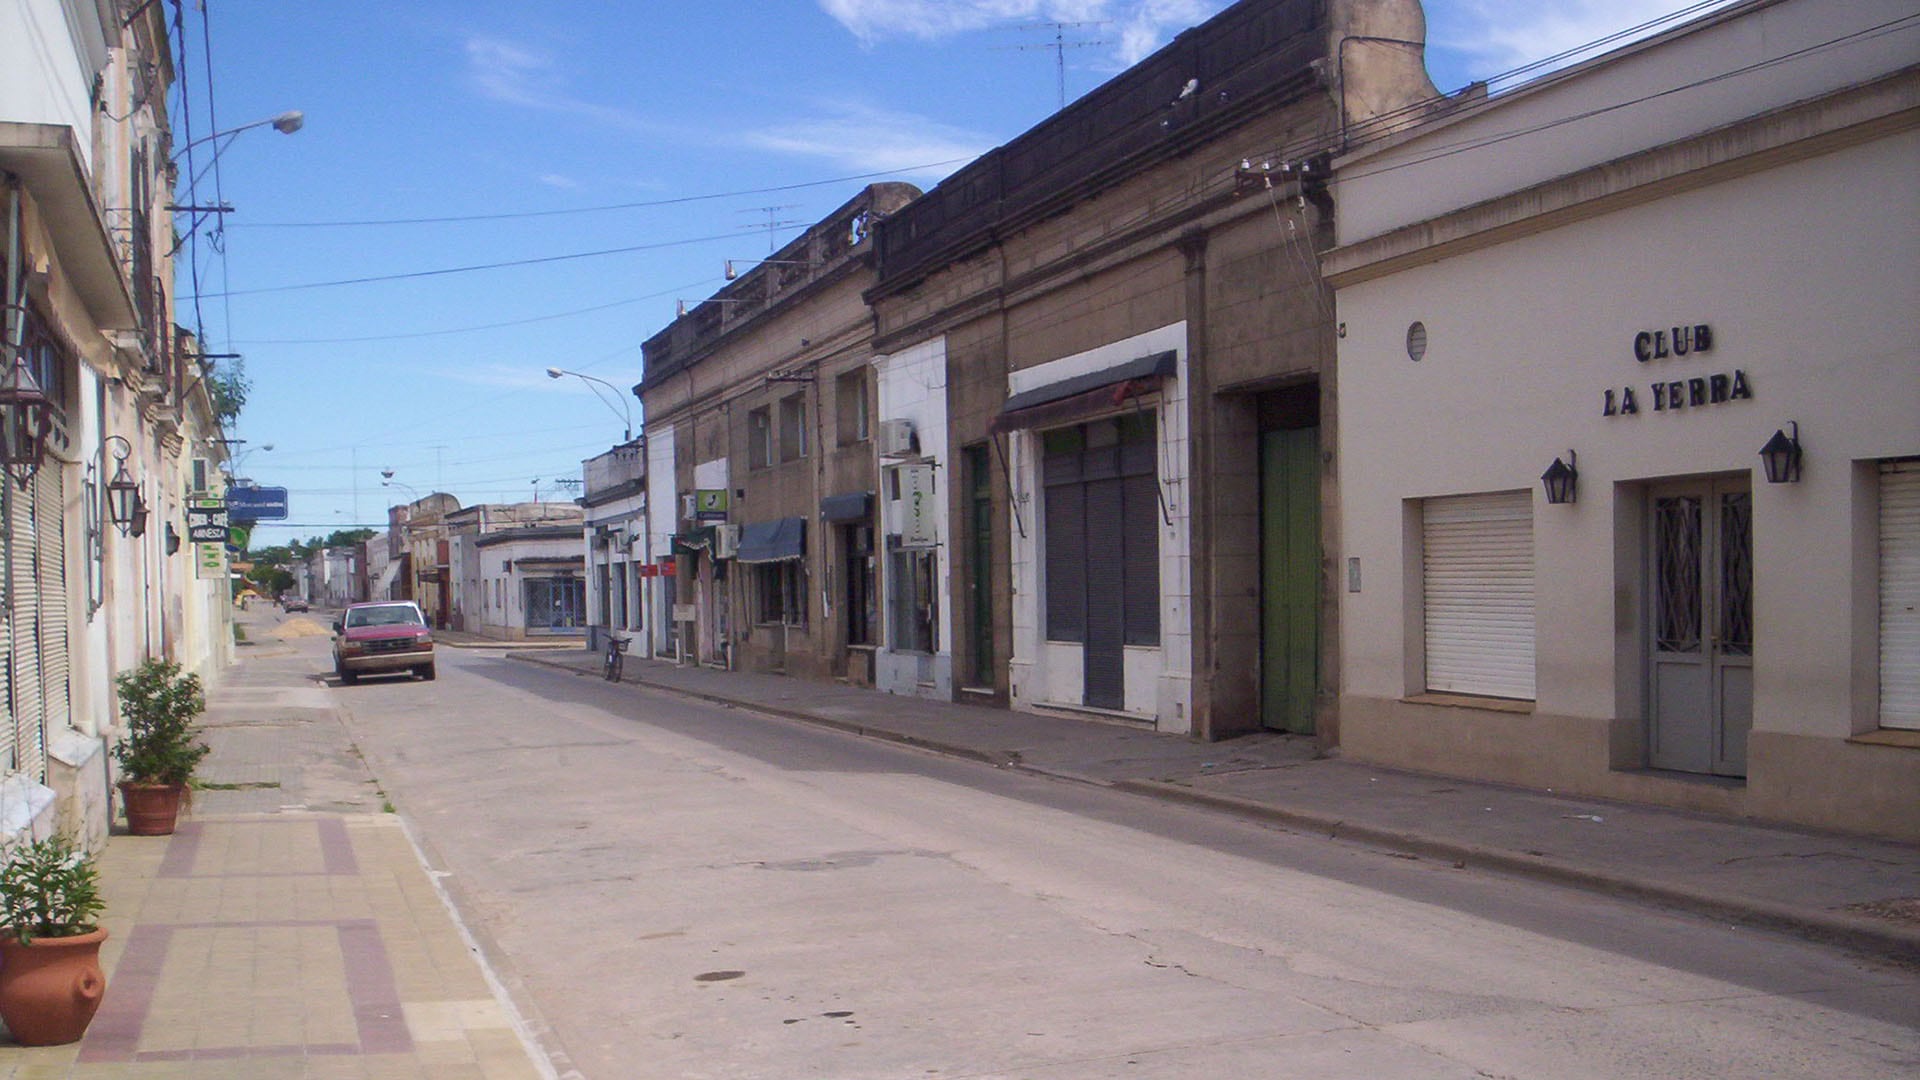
{"x":26,"y":420}
{"x":1781,"y":456}
{"x":138,"y":527}
{"x":1560,"y":479}
{"x":123,"y":495}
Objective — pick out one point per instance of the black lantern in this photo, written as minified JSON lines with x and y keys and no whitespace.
{"x":123,"y":495}
{"x":1560,"y":478}
{"x":26,"y":419}
{"x":1781,"y":456}
{"x":138,"y":527}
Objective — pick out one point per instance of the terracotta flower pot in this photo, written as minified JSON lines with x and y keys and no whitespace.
{"x":151,"y":808}
{"x":49,"y":990}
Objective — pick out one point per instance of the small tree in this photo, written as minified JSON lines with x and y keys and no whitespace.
{"x":49,"y":888}
{"x":160,"y":705}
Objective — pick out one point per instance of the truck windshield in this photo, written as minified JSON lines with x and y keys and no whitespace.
{"x":392,"y":615}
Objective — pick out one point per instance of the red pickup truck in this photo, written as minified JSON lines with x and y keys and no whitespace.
{"x":380,"y":638}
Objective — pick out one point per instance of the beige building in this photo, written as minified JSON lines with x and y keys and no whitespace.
{"x":1644,"y":271}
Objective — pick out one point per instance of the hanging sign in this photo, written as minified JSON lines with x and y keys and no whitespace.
{"x":917,"y":507}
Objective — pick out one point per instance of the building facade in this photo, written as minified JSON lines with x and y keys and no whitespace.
{"x":1639,"y":274}
{"x":1114,"y":355}
{"x":619,"y":559}
{"x":760,"y":452}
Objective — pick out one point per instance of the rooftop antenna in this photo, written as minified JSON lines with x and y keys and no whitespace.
{"x":774,"y":224}
{"x":1059,"y":45}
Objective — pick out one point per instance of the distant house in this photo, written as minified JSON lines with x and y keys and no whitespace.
{"x":615,"y":532}
{"x":531,"y":583}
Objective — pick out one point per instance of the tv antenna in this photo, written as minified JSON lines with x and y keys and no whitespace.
{"x":1059,"y":45}
{"x":774,"y":224}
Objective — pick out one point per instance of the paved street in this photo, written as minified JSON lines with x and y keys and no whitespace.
{"x":677,"y":889}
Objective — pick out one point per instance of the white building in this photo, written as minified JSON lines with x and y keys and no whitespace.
{"x":614,"y":497}
{"x":916,"y":654}
{"x":531,"y":583}
{"x":1647,"y":267}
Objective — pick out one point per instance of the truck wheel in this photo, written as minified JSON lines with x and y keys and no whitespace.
{"x":348,"y":678}
{"x":425,"y":672}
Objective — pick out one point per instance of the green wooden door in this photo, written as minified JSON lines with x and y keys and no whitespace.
{"x":1289,"y":578}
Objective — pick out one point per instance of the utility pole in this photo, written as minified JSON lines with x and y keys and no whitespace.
{"x":1059,"y":45}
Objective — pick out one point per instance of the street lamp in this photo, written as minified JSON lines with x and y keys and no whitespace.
{"x":625,"y":414}
{"x":26,"y":412}
{"x":234,"y":461}
{"x":123,"y":495}
{"x":387,"y":480}
{"x":286,"y":124}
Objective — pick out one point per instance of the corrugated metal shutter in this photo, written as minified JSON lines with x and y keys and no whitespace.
{"x":50,"y":532}
{"x":1477,"y":574}
{"x":1104,"y":662}
{"x":1066,"y":541}
{"x":1900,"y":595}
{"x":29,"y":714}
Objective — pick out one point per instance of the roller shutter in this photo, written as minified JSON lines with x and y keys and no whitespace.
{"x":1900,"y":595}
{"x":50,"y":533}
{"x":1477,"y":589}
{"x":23,"y":558}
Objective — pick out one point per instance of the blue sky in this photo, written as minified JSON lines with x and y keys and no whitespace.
{"x":686,"y":117}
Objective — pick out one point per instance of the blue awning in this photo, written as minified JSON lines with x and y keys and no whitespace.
{"x":772,"y":541}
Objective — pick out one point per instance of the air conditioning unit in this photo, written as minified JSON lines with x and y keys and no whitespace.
{"x":897,"y":439}
{"x":726,"y":541}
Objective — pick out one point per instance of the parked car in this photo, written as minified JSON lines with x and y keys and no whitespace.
{"x":380,"y":638}
{"x":293,"y":604}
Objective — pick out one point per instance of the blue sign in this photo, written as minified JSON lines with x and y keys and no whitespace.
{"x":257,"y":504}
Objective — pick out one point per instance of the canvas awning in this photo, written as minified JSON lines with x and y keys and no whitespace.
{"x":851,"y":506}
{"x":1083,"y":395}
{"x":772,"y":541}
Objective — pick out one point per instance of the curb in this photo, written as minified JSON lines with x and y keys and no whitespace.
{"x":1882,"y":940}
{"x":1869,"y":936}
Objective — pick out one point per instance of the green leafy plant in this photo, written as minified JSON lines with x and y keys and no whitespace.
{"x":160,"y":706}
{"x":49,"y":888}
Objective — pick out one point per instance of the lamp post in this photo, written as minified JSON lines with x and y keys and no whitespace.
{"x":26,"y":412}
{"x":234,"y":462}
{"x":625,"y":414}
{"x":387,"y":480}
{"x":285,"y":123}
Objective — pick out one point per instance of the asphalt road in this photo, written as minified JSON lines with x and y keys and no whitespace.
{"x":674,"y":889}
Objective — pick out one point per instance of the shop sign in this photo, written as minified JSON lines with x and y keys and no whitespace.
{"x":710,"y":504}
{"x":1674,"y":395}
{"x":917,"y":507}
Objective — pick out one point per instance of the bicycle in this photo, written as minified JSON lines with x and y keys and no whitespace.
{"x":616,"y":657}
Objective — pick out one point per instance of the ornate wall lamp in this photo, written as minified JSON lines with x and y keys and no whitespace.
{"x":1781,"y":456}
{"x":124,"y":505}
{"x":26,"y":418}
{"x":1560,"y":479}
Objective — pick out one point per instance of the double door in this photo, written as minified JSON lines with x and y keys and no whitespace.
{"x":1700,"y":659}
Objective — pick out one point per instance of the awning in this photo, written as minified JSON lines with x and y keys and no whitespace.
{"x":695,"y":539}
{"x":47,"y":159}
{"x":772,"y":541}
{"x":851,"y":506}
{"x":1083,"y":395}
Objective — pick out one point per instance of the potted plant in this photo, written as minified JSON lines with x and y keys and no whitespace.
{"x":160,"y":751}
{"x":50,"y":978}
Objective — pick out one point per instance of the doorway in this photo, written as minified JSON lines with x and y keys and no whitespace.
{"x":1700,"y":655}
{"x":1289,"y":558}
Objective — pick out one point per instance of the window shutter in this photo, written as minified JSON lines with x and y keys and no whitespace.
{"x":50,"y":533}
{"x":1140,"y":537}
{"x":29,"y":715}
{"x":1066,"y":544}
{"x":1900,"y":595}
{"x":1478,"y":593}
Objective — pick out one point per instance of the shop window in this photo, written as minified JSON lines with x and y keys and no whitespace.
{"x":851,"y":410}
{"x":793,"y":427}
{"x":556,"y":603}
{"x":781,"y":591}
{"x":760,"y":438}
{"x":915,"y":599}
{"x":1477,"y":594}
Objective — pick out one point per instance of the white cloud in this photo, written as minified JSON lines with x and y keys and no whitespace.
{"x":1500,"y":35}
{"x":1134,"y":27}
{"x":860,"y":138}
{"x":514,"y":74}
{"x":555,"y":180}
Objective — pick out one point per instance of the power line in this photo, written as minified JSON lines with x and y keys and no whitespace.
{"x":677,"y":290}
{"x":444,"y":271}
{"x":679,"y":201}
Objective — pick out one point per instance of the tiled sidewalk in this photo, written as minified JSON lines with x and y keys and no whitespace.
{"x":262,"y":946}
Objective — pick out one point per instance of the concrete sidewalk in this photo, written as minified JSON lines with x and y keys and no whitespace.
{"x":289,"y":927}
{"x":1860,"y":893}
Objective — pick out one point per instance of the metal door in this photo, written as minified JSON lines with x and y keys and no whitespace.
{"x":1289,"y":577}
{"x":1700,"y":663}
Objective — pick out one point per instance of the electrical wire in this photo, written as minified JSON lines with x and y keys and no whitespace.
{"x":677,"y":290}
{"x":678,"y":201}
{"x":504,"y":264}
